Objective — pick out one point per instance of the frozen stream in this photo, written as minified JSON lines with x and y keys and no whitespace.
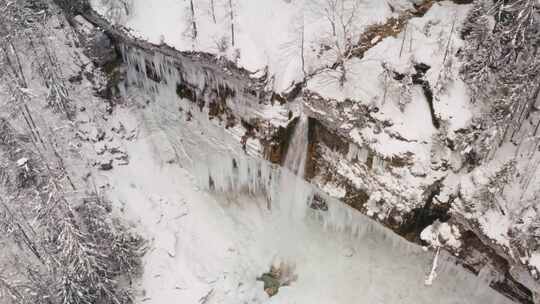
{"x":218,"y":219}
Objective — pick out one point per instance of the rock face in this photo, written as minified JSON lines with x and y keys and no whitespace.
{"x":99,"y":46}
{"x":278,"y":276}
{"x":399,"y":191}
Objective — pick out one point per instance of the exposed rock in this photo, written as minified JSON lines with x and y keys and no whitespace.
{"x":271,"y":283}
{"x":105,"y":164}
{"x":318,"y":203}
{"x":276,"y":147}
{"x":278,"y":276}
{"x":99,"y":46}
{"x":418,"y":79}
{"x":420,"y":218}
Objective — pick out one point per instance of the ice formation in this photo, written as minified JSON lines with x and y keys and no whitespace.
{"x":289,"y":195}
{"x":334,"y":247}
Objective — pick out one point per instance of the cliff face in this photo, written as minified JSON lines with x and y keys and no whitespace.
{"x":393,"y":130}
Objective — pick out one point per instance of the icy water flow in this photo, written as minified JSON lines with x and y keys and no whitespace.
{"x":295,"y":160}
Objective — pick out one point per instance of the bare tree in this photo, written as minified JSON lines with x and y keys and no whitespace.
{"x":302,"y":47}
{"x":342,"y":35}
{"x":192,"y":21}
{"x":231,"y":18}
{"x":213,"y":11}
{"x":295,"y":47}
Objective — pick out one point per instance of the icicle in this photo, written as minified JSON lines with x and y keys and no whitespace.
{"x":356,"y":153}
{"x":291,"y":195}
{"x":352,"y":153}
{"x":378,"y":164}
{"x":433,"y":273}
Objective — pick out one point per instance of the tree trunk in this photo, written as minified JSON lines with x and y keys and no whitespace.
{"x":19,"y":65}
{"x":536,"y":128}
{"x":213,"y":11}
{"x":302,"y":45}
{"x":231,"y":14}
{"x":193,"y":21}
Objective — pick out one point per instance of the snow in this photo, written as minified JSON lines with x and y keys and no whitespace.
{"x":276,"y":47}
{"x":360,"y":86}
{"x":454,"y":105}
{"x":495,"y":222}
{"x":334,"y":190}
{"x":276,"y":114}
{"x":22,"y":161}
{"x":496,"y":226}
{"x":161,"y":206}
{"x":440,"y":234}
{"x":534,"y":260}
{"x":412,"y":118}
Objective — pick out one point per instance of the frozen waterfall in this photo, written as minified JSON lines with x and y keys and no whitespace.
{"x":389,"y":269}
{"x":267,"y":212}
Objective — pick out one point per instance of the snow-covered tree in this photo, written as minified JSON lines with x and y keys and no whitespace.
{"x":502,"y":66}
{"x":58,"y":257}
{"x":489,"y":195}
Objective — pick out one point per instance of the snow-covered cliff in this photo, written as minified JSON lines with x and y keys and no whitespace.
{"x":405,"y":117}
